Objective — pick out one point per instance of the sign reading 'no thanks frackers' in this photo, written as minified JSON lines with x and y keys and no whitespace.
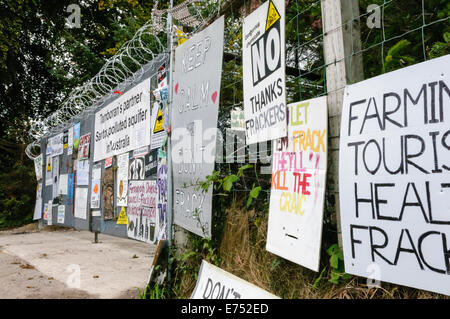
{"x":264,"y":73}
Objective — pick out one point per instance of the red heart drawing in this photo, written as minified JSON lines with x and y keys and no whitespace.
{"x":176,"y":88}
{"x":214,"y":97}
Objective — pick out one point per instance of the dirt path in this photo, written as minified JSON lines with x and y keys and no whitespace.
{"x":66,"y":263}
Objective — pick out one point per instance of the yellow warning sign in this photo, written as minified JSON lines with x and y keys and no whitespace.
{"x":272,"y":15}
{"x":181,"y":37}
{"x":122,"y":220}
{"x":159,"y":122}
{"x":49,"y":164}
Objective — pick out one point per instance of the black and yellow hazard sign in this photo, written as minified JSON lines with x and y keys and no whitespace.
{"x":158,"y":127}
{"x":272,"y":15}
{"x":49,"y":164}
{"x":122,"y":220}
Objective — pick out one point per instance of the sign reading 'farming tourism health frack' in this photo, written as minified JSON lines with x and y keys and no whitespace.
{"x":394,"y":177}
{"x":124,"y":124}
{"x":196,"y":96}
{"x":298,"y":185}
{"x":264,"y":73}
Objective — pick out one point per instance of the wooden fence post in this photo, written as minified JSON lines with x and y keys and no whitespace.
{"x":341,"y":38}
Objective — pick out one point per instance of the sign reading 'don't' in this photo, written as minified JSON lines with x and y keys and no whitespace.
{"x":124,"y":124}
{"x":215,"y":283}
{"x":264,"y":72}
{"x":394,"y":177}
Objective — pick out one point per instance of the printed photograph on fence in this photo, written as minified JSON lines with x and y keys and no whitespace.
{"x":122,"y":179}
{"x":141,"y":210}
{"x":162,"y":197}
{"x":263,"y":63}
{"x":297,"y":193}
{"x":108,"y":193}
{"x":196,"y":96}
{"x":394,"y":177}
{"x":137,"y":168}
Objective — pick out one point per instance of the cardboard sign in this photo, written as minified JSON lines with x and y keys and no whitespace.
{"x":196,"y":90}
{"x":394,"y":174}
{"x":142,"y":200}
{"x":298,"y":185}
{"x":123,"y":125}
{"x":263,"y":54}
{"x":215,"y":283}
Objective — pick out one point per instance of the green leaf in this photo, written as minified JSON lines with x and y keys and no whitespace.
{"x":242,"y":168}
{"x":228,"y":182}
{"x":334,"y":261}
{"x":254,"y":193}
{"x":249,"y":202}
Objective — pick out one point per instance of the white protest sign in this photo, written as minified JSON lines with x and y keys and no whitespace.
{"x":124,"y":124}
{"x":57,"y":144}
{"x":81,"y":201}
{"x":70,"y":141}
{"x":61,"y":214}
{"x":215,"y":283}
{"x":141,"y":211}
{"x":38,"y":206}
{"x":298,"y":185}
{"x":63,"y":182}
{"x":82,"y":173}
{"x":38,"y":165}
{"x":263,"y":62}
{"x":394,"y":176}
{"x":196,"y":96}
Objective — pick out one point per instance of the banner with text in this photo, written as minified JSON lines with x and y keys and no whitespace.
{"x":124,"y":124}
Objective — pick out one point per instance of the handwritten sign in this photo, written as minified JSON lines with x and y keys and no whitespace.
{"x":215,"y":283}
{"x":394,"y":177}
{"x":83,"y":148}
{"x":141,"y":211}
{"x":263,"y":60}
{"x":298,"y":185}
{"x":196,"y":90}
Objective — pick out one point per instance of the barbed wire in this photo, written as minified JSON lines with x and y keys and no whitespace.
{"x":142,"y":52}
